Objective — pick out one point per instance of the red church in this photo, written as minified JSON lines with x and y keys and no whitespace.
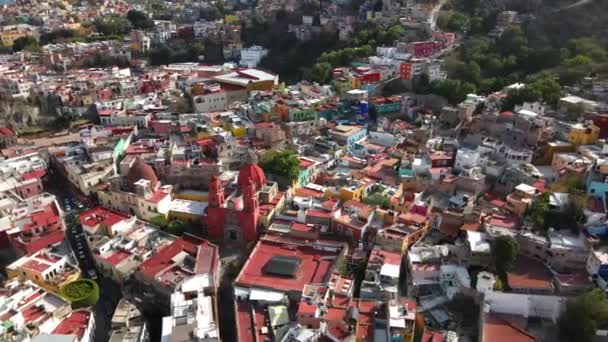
{"x":233,"y":212}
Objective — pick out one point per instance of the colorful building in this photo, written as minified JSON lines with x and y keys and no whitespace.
{"x":583,"y":134}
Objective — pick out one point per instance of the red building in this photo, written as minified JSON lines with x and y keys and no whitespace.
{"x":367,"y":75}
{"x":424,"y":49}
{"x":235,"y":216}
{"x":601,"y":121}
{"x":7,"y":137}
{"x":406,"y":71}
{"x":40,"y":225}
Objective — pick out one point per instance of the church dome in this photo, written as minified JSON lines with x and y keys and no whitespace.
{"x":141,"y":170}
{"x":254,"y":173}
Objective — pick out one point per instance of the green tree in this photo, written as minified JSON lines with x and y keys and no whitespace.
{"x":583,"y":316}
{"x":176,"y":227}
{"x":321,"y":72}
{"x":160,"y":221}
{"x":537,"y":212}
{"x":81,"y":293}
{"x":26,"y":43}
{"x":454,"y":91}
{"x":394,"y":33}
{"x":159,"y":56}
{"x":282,"y":163}
{"x":504,"y":253}
{"x":512,"y":41}
{"x":519,"y":96}
{"x":112,"y":25}
{"x":548,"y":87}
{"x":139,"y":20}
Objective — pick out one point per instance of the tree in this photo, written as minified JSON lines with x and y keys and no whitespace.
{"x":139,"y":20}
{"x":26,"y":43}
{"x":159,"y":56}
{"x":81,"y":293}
{"x":112,"y":25}
{"x":176,"y":227}
{"x":583,"y":316}
{"x":512,"y":41}
{"x":454,"y":91}
{"x":504,"y":251}
{"x":519,"y":96}
{"x":283,"y":163}
{"x":321,"y":72}
{"x":160,"y":221}
{"x":548,"y":88}
{"x":537,"y":212}
{"x":571,"y":184}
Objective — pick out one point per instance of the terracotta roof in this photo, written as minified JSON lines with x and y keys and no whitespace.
{"x":497,"y":329}
{"x":529,"y":274}
{"x":141,"y":170}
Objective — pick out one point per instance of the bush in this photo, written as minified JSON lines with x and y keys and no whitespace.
{"x":81,"y":293}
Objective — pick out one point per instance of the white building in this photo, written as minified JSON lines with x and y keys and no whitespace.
{"x":15,"y":87}
{"x":251,"y":57}
{"x":193,"y":316}
{"x":214,"y":99}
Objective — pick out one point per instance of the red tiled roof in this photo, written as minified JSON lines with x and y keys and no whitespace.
{"x":577,"y":279}
{"x":496,"y":329}
{"x":44,"y":241}
{"x":318,"y":213}
{"x":75,"y":324}
{"x":307,"y":192}
{"x":157,"y":196}
{"x":101,"y":216}
{"x":335,"y":314}
{"x":36,"y":265}
{"x":471,"y":226}
{"x":6,"y":131}
{"x":305,"y":308}
{"x":432,"y":336}
{"x":162,"y":259}
{"x":529,"y":274}
{"x":117,"y":257}
{"x":33,"y":174}
{"x":305,"y":163}
{"x":385,"y":257}
{"x":504,"y":221}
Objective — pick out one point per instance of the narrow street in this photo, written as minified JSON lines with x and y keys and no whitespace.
{"x":109,"y":295}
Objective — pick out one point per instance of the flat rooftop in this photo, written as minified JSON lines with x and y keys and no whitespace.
{"x":285,"y":267}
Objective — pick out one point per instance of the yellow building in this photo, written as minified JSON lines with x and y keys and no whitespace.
{"x":229,"y":19}
{"x":351,"y":193}
{"x":186,"y":211}
{"x":239,"y":132}
{"x":193,"y":195}
{"x":9,"y":34}
{"x":48,"y":270}
{"x":583,"y":134}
